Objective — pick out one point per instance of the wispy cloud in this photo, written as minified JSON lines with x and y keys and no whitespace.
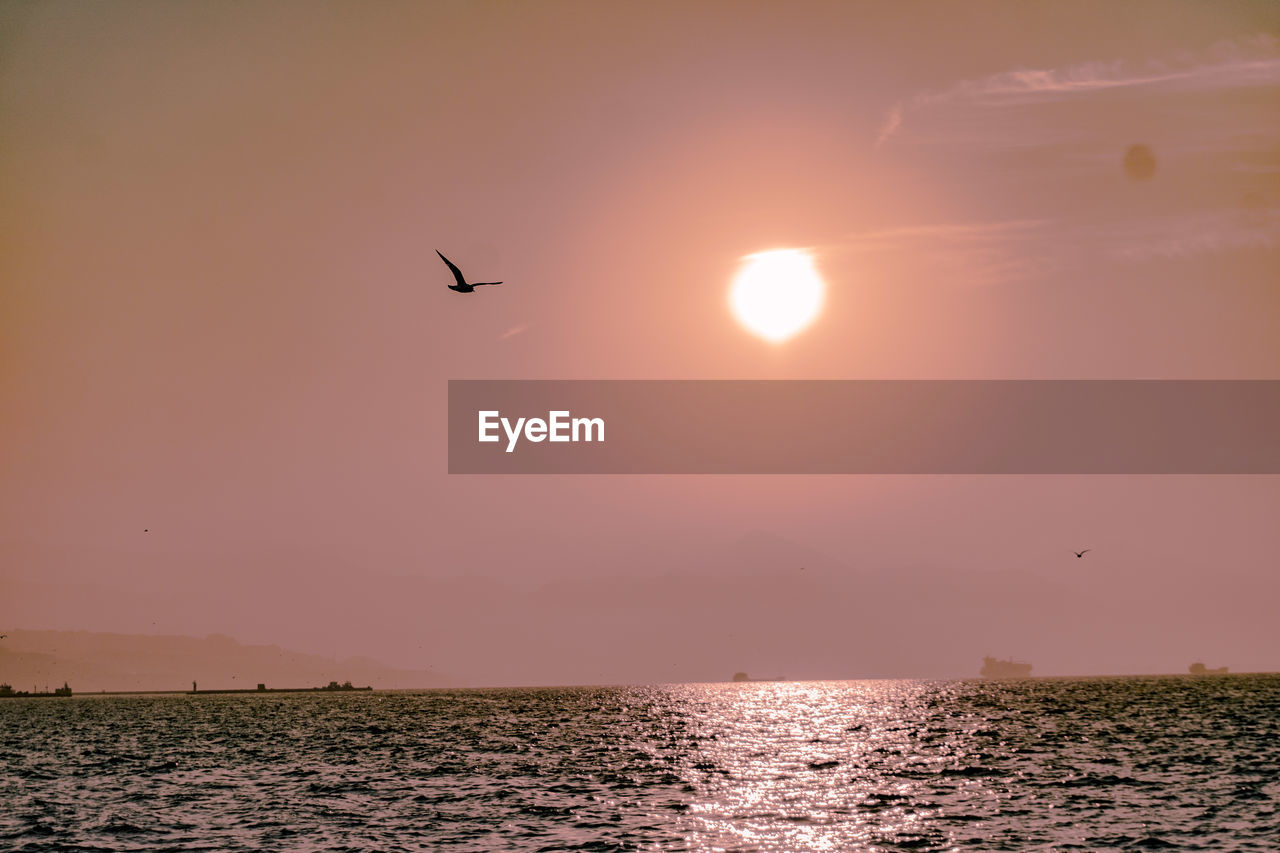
{"x":968,"y":232}
{"x":514,"y":330}
{"x":1055,"y":140}
{"x":986,"y":253}
{"x":973,"y":252}
{"x":1241,"y":63}
{"x":1198,"y":233}
{"x":891,"y":123}
{"x":1258,"y":67}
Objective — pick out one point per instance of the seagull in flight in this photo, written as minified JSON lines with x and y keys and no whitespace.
{"x":462,"y":286}
{"x":1080,"y":554}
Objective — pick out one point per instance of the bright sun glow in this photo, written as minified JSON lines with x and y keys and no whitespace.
{"x":777,"y":293}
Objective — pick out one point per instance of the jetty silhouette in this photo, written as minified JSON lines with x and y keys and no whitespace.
{"x":462,"y":286}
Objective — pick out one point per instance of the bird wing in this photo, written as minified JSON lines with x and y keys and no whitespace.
{"x":1086,"y":550}
{"x":457,"y":273}
{"x":483,"y":283}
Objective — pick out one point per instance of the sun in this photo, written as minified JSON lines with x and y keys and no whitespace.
{"x":777,"y":293}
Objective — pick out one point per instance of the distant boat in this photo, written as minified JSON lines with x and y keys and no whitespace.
{"x":742,"y":676}
{"x":346,"y":685}
{"x":992,"y":668}
{"x":1198,"y":668}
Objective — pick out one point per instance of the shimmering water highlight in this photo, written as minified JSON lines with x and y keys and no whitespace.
{"x":1049,"y":764}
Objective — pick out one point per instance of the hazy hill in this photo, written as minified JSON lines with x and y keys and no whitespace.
{"x":91,"y":662}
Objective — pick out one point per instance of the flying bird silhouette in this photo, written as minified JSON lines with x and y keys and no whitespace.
{"x":1080,"y":554}
{"x":462,"y":286}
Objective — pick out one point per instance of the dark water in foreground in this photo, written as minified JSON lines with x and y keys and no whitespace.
{"x":1134,"y":764}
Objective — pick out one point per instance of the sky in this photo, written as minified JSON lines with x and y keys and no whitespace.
{"x":223,"y":322}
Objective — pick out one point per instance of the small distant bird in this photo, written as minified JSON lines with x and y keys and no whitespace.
{"x":1080,"y":554}
{"x":462,"y":286}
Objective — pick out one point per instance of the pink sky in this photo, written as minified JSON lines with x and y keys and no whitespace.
{"x":223,"y":321}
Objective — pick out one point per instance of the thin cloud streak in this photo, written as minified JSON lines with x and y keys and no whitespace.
{"x":972,"y":231}
{"x":989,"y":253}
{"x":972,"y":253}
{"x":1240,"y":63}
{"x":1197,"y":233}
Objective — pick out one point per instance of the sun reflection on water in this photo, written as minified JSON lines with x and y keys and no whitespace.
{"x":825,"y":766}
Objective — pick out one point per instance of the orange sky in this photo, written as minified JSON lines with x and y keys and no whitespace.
{"x":222,"y":320}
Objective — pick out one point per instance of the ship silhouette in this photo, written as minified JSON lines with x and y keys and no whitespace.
{"x":7,"y":692}
{"x":1198,"y":668}
{"x":993,"y":668}
{"x":742,"y":676}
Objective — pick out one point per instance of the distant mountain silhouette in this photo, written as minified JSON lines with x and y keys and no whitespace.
{"x":727,"y":603}
{"x":92,"y":662}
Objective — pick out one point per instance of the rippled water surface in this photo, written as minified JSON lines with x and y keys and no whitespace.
{"x":1088,"y":764}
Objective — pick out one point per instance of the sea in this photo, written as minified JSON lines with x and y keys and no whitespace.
{"x":1133,"y":763}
